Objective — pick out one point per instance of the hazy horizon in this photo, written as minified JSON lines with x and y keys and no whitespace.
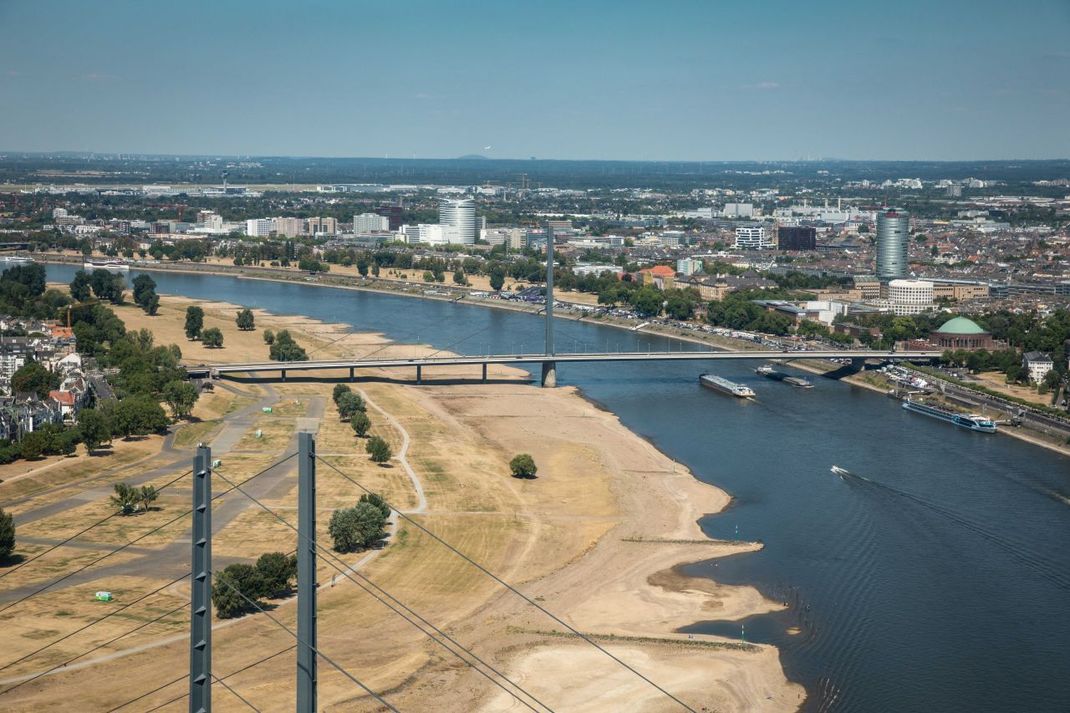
{"x":626,"y":81}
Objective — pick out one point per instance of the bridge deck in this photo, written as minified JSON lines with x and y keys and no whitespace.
{"x":324,"y":365}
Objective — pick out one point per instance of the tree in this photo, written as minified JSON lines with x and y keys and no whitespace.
{"x":7,"y":534}
{"x":360,"y":423}
{"x":497,"y":278}
{"x":81,"y":286}
{"x":138,"y":416}
{"x":33,"y":378}
{"x":107,"y":286}
{"x":147,"y":496}
{"x":145,"y":295}
{"x":284,"y":348}
{"x":194,"y":322}
{"x":33,"y":444}
{"x":357,"y":527}
{"x":276,"y":571}
{"x":126,"y":498}
{"x":460,"y":278}
{"x":94,"y":428}
{"x":246,"y":321}
{"x":236,"y":590}
{"x":180,"y":397}
{"x":340,"y":389}
{"x":349,"y":404}
{"x":377,"y":500}
{"x":212,"y":338}
{"x":523,"y":466}
{"x":378,"y":449}
{"x":269,"y":337}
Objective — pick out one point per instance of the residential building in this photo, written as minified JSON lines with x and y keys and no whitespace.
{"x":738,"y":210}
{"x":259,"y":227}
{"x":321,"y":226}
{"x":869,"y":287}
{"x":289,"y":227}
{"x":893,"y":233}
{"x":689,"y":265}
{"x":370,"y":223}
{"x":1038,"y":365}
{"x":512,"y":238}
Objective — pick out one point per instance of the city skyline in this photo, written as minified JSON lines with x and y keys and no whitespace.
{"x":597,"y":81}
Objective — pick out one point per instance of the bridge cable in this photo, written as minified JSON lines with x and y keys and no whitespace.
{"x":184,"y":677}
{"x":513,"y":589}
{"x":112,"y":613}
{"x":76,"y":535}
{"x":223,"y":580}
{"x":134,"y":541}
{"x":106,"y":643}
{"x":346,"y":571}
{"x":237,"y":695}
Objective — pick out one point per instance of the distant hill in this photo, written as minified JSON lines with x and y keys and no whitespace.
{"x":472,"y":156}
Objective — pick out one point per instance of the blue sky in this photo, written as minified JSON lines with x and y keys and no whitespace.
{"x":669,"y":80}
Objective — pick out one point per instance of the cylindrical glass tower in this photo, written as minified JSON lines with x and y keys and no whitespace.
{"x":460,"y":216}
{"x":893,"y":232}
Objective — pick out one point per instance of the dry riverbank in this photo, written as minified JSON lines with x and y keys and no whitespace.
{"x":594,"y":539}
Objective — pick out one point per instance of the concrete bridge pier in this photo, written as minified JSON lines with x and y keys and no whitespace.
{"x":484,"y":372}
{"x":549,"y":374}
{"x":419,"y":374}
{"x":282,"y":374}
{"x":352,"y":373}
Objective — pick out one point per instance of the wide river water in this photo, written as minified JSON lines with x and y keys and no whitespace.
{"x":941,"y":583}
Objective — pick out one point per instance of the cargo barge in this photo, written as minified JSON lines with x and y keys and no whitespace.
{"x":769,"y":372}
{"x":723,"y":385}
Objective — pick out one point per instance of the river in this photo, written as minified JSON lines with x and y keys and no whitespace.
{"x":937,"y":581}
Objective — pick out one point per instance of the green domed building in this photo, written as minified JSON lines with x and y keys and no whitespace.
{"x":961,"y":333}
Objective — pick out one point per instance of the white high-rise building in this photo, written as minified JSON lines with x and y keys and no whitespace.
{"x":259,"y":227}
{"x":751,"y":237}
{"x":428,"y":233}
{"x":460,"y":215}
{"x":370,"y":223}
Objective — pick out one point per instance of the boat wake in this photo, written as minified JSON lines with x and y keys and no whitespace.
{"x":1053,"y":573}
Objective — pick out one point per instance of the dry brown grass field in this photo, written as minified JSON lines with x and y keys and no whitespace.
{"x":581,"y":539}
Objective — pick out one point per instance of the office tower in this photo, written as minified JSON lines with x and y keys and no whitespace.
{"x":458,"y":220}
{"x":893,"y":231}
{"x":796,"y":237}
{"x":750,"y":237}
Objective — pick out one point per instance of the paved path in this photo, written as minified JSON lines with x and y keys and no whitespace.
{"x":234,"y":427}
{"x":315,"y":411}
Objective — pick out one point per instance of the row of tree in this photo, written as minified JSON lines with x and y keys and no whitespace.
{"x":351,"y":407}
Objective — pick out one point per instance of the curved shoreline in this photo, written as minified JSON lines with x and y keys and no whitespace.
{"x":797,"y":362}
